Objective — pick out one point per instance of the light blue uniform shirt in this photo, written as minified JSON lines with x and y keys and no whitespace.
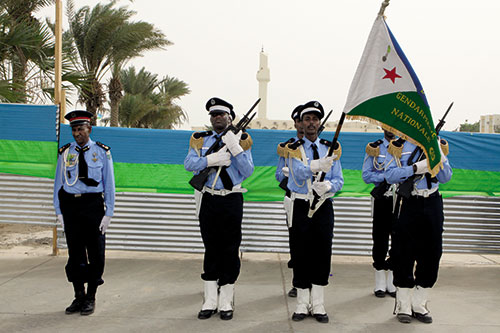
{"x":299,"y":172}
{"x":100,"y":169}
{"x":240,"y":169}
{"x":395,"y":175}
{"x":370,"y":174}
{"x":281,"y":164}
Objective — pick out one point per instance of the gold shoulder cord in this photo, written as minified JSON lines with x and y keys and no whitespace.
{"x":291,"y":169}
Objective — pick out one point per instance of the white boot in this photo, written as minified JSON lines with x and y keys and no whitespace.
{"x":303,"y":305}
{"x":380,"y":283}
{"x":209,"y":306}
{"x":403,"y":305}
{"x":391,"y":289}
{"x":226,"y":299}
{"x":317,"y":300}
{"x":419,"y":305}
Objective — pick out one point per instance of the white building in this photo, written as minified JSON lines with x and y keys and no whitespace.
{"x":490,"y":123}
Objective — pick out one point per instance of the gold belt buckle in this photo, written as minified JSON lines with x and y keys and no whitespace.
{"x":78,"y":195}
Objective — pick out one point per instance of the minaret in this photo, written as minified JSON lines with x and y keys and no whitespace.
{"x":263,"y":76}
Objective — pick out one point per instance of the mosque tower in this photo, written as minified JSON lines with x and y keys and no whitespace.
{"x":263,"y":76}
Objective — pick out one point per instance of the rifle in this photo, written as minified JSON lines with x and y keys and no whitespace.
{"x":198,"y":180}
{"x":284,"y":182}
{"x":316,"y":202}
{"x":405,"y":188}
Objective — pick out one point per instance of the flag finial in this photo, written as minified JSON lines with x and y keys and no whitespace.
{"x":382,"y":7}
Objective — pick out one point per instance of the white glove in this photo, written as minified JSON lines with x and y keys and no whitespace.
{"x":421,"y":167}
{"x":323,"y":164}
{"x":60,"y":220}
{"x":106,"y":220}
{"x":285,"y":171}
{"x":232,"y":142}
{"x":321,"y":187}
{"x":220,"y":158}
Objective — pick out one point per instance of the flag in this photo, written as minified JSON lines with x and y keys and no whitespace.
{"x":386,"y":91}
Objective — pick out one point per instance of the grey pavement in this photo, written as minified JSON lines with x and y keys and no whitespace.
{"x":162,"y":292}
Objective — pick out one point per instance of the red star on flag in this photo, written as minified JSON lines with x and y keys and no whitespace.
{"x":391,"y":74}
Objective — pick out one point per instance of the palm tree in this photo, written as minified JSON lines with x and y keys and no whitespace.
{"x":27,"y":55}
{"x":150,"y":103}
{"x":105,"y":39}
{"x":24,"y":44}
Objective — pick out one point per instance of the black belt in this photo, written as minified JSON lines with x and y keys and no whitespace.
{"x":81,"y":195}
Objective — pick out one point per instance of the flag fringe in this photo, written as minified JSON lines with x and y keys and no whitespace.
{"x":386,"y":127}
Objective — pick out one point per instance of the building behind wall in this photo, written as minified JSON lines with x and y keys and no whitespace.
{"x":490,"y":123}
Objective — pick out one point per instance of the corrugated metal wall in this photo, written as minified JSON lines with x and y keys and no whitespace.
{"x":166,"y":222}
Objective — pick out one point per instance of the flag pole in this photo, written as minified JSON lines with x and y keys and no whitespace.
{"x":59,"y":95}
{"x":382,"y":7}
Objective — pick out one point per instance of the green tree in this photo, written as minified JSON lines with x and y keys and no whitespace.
{"x":27,"y":55}
{"x":149,"y":102}
{"x":105,"y":39}
{"x":466,"y":127}
{"x":24,"y":44}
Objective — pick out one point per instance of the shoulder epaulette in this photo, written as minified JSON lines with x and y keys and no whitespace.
{"x":337,"y":150}
{"x":292,"y":149}
{"x":196,"y":140}
{"x":281,"y":149}
{"x":396,"y":147}
{"x":373,"y":149}
{"x":445,"y":147}
{"x":246,"y":141}
{"x":325,"y":142}
{"x":103,"y":146}
{"x":63,"y":148}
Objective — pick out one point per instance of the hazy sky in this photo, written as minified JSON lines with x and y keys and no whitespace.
{"x":314,"y":47}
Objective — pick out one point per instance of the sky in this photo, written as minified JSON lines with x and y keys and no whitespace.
{"x":314,"y":47}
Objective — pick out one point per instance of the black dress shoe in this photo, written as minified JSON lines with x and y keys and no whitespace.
{"x":322,"y":318}
{"x":226,"y":315}
{"x":205,"y":314}
{"x":88,"y":307}
{"x":379,"y":293}
{"x":299,"y":316}
{"x":392,"y":294}
{"x":292,"y":292}
{"x":424,"y":318}
{"x":76,"y":305}
{"x":404,"y":318}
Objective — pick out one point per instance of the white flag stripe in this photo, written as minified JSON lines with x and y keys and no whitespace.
{"x":369,"y":79}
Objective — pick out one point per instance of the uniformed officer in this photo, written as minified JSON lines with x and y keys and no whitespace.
{"x":417,"y":236}
{"x":373,"y":173}
{"x":311,"y":238}
{"x":84,"y":200}
{"x":221,"y":209}
{"x":282,"y":172}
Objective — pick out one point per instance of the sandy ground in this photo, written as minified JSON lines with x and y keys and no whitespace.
{"x":29,"y":240}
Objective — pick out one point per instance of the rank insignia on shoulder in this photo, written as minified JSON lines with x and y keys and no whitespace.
{"x":63,"y":148}
{"x":196,"y":140}
{"x":281,"y":149}
{"x":396,"y":148}
{"x":445,"y":147}
{"x":373,"y":149}
{"x":103,"y":146}
{"x":246,"y":141}
{"x":292,"y":149}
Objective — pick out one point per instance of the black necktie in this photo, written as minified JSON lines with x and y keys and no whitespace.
{"x":83,"y":168}
{"x":315,"y":154}
{"x":224,"y":177}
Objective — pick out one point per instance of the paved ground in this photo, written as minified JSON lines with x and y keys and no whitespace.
{"x":160,"y":292}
